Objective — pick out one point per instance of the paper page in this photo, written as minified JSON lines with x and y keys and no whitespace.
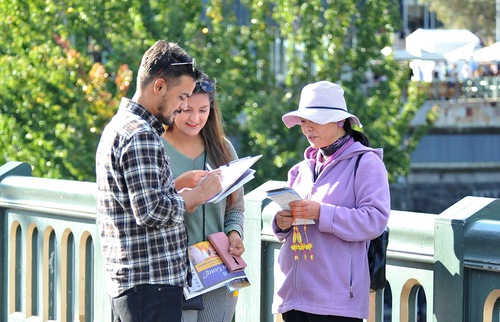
{"x":234,"y":175}
{"x":282,"y":197}
{"x":246,"y":177}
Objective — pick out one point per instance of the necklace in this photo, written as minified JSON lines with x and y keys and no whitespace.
{"x":192,"y":150}
{"x":171,"y":139}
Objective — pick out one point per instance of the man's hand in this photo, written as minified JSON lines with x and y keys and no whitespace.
{"x":207,"y":187}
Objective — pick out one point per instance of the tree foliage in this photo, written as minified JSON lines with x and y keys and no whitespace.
{"x":64,"y":67}
{"x":54,"y":99}
{"x":339,"y":41}
{"x":478,"y":16}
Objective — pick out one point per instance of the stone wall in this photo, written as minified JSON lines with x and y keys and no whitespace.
{"x":434,"y":198}
{"x":457,"y":158}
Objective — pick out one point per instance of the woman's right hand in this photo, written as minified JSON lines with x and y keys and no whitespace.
{"x":189,"y":179}
{"x":284,"y":219}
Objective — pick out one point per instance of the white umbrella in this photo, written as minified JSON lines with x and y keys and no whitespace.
{"x":487,"y":54}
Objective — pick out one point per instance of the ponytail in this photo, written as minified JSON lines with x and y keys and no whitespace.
{"x":356,"y":135}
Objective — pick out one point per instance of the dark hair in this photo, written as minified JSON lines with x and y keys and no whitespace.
{"x":213,"y":133}
{"x":214,"y":137}
{"x":356,"y":135}
{"x":157,"y":60}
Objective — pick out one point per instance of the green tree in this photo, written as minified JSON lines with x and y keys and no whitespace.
{"x":54,"y":100}
{"x":338,"y":41}
{"x":319,"y":40}
{"x":73,"y":59}
{"x":478,"y":16}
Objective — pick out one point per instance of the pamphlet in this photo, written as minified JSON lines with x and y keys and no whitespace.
{"x":234,"y":175}
{"x":209,"y":272}
{"x":283,"y":197}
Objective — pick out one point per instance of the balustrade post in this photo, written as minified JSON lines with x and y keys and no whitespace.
{"x":8,"y":169}
{"x":450,"y":280}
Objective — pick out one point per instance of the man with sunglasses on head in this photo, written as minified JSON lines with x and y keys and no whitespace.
{"x":196,"y":142}
{"x":140,"y":214}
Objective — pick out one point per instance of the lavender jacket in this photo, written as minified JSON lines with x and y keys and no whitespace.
{"x":336,"y":281}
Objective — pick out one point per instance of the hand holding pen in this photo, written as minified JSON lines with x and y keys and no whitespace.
{"x":209,"y":168}
{"x":190,"y":179}
{"x":208,"y":185}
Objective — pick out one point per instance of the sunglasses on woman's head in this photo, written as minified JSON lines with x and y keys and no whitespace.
{"x":207,"y":85}
{"x":192,"y":62}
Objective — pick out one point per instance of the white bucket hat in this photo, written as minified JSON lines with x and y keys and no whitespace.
{"x":321,"y":102}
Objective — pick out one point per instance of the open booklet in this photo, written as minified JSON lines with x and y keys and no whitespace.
{"x":234,"y":175}
{"x":282,"y":197}
{"x":210,"y":273}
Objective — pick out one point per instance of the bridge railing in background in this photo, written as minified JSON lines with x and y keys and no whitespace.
{"x":487,"y":88}
{"x":51,"y":265}
{"x":52,"y":269}
{"x":443,"y":267}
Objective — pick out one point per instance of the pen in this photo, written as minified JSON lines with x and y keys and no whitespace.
{"x":209,"y":168}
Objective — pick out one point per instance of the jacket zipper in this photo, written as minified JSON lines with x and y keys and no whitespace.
{"x":296,"y":300}
{"x":351,"y":293}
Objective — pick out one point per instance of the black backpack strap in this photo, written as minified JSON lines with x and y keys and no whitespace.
{"x":355,"y":170}
{"x":357,"y":164}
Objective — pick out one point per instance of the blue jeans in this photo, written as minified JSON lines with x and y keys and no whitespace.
{"x":148,"y":303}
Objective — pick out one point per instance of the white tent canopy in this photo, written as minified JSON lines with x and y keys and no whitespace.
{"x":461,"y":53}
{"x":425,"y":55}
{"x":488,"y":54}
{"x":403,"y":54}
{"x":439,"y":41}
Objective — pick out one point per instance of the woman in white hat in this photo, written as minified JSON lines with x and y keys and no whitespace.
{"x":324,"y":274}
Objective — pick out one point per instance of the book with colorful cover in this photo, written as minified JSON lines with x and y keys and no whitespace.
{"x":209,"y":272}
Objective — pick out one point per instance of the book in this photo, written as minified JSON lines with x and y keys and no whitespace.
{"x":234,"y":175}
{"x":210,"y":273}
{"x":220,"y":242}
{"x":282,"y":197}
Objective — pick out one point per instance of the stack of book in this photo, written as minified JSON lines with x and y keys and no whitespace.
{"x":208,"y":268}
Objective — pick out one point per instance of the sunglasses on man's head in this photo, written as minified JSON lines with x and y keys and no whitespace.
{"x":207,"y":85}
{"x":192,"y":62}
